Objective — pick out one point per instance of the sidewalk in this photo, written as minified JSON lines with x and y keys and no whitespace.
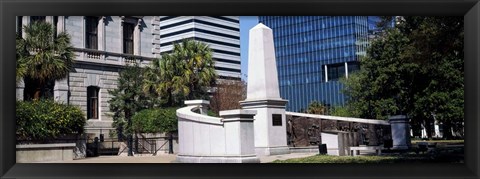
{"x":163,"y":158}
{"x":169,"y":158}
{"x":267,"y":159}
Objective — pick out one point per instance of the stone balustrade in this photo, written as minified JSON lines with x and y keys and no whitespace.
{"x":110,"y":58}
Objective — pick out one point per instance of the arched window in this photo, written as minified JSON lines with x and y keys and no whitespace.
{"x":92,"y":102}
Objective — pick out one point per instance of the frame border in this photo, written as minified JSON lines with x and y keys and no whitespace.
{"x":470,"y":9}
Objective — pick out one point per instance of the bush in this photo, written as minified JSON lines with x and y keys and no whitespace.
{"x":155,"y":120}
{"x":42,"y":120}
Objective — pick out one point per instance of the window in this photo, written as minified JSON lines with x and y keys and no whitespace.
{"x":335,"y":71}
{"x":37,"y":18}
{"x":128,"y":29}
{"x":55,"y":22}
{"x":91,"y":25}
{"x":92,"y":102}
{"x":353,"y":67}
{"x":19,"y":25}
{"x":32,"y":89}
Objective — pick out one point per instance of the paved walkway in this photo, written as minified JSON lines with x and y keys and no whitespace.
{"x":169,"y":158}
{"x":267,"y":159}
{"x":163,"y":158}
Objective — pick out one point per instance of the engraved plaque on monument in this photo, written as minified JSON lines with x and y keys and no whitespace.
{"x":276,"y":119}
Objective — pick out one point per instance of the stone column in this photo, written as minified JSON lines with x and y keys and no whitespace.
{"x":101,"y":33}
{"x":20,"y":89}
{"x":400,"y":132}
{"x":202,"y":103}
{"x":239,"y":135}
{"x":263,"y":94}
{"x":137,"y":37}
{"x":25,"y":22}
{"x":49,"y":19}
{"x":60,"y":91}
{"x":60,"y":24}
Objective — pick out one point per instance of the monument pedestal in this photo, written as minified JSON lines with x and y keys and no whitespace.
{"x":269,"y":126}
{"x":265,"y":151}
{"x":400,"y":132}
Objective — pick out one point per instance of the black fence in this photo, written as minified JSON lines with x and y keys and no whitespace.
{"x":140,"y":145}
{"x":95,"y":146}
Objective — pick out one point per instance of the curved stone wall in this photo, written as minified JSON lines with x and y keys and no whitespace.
{"x":207,"y":139}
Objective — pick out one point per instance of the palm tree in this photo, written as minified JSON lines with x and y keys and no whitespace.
{"x":21,"y":51}
{"x":316,"y":107}
{"x":199,"y":70}
{"x":186,"y":73}
{"x":164,"y":78}
{"x":43,"y":57}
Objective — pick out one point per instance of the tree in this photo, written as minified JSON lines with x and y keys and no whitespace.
{"x":375,"y":90}
{"x":188,"y":72}
{"x":165,"y":79}
{"x":21,"y":51}
{"x":199,"y":67}
{"x":155,"y":121}
{"x":42,"y":58}
{"x":316,"y":107}
{"x":227,"y":95}
{"x":416,"y":69}
{"x":127,"y":99}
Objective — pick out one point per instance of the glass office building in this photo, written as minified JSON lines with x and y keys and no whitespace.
{"x":314,"y":52}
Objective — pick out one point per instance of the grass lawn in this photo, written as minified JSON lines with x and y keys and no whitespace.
{"x":445,"y":151}
{"x":439,"y":154}
{"x":447,"y":142}
{"x":389,"y":158}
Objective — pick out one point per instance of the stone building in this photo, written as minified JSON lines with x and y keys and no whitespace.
{"x":103,"y":45}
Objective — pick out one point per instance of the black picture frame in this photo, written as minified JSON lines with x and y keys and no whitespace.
{"x":470,"y":9}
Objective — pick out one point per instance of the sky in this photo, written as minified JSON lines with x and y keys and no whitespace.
{"x":246,"y":23}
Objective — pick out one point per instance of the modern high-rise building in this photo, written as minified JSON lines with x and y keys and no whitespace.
{"x":221,"y":33}
{"x":314,"y":52}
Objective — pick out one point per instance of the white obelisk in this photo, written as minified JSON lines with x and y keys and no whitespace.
{"x":263,"y":94}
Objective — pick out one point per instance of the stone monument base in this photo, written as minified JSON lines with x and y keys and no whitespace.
{"x":217,"y":159}
{"x":264,"y":151}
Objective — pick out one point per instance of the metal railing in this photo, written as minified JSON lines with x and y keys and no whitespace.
{"x":96,"y":146}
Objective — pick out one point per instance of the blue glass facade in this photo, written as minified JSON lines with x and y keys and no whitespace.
{"x":313,"y":53}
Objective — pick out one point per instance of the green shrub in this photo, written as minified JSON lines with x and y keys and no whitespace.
{"x":155,"y":120}
{"x":42,"y":120}
{"x":212,"y":113}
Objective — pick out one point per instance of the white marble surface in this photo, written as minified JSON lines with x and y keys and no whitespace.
{"x":262,"y":68}
{"x":337,"y":118}
{"x":263,"y":93}
{"x":206,"y":139}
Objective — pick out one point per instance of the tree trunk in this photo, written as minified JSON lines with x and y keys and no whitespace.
{"x":170,"y":98}
{"x":428,"y":128}
{"x":447,"y":130}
